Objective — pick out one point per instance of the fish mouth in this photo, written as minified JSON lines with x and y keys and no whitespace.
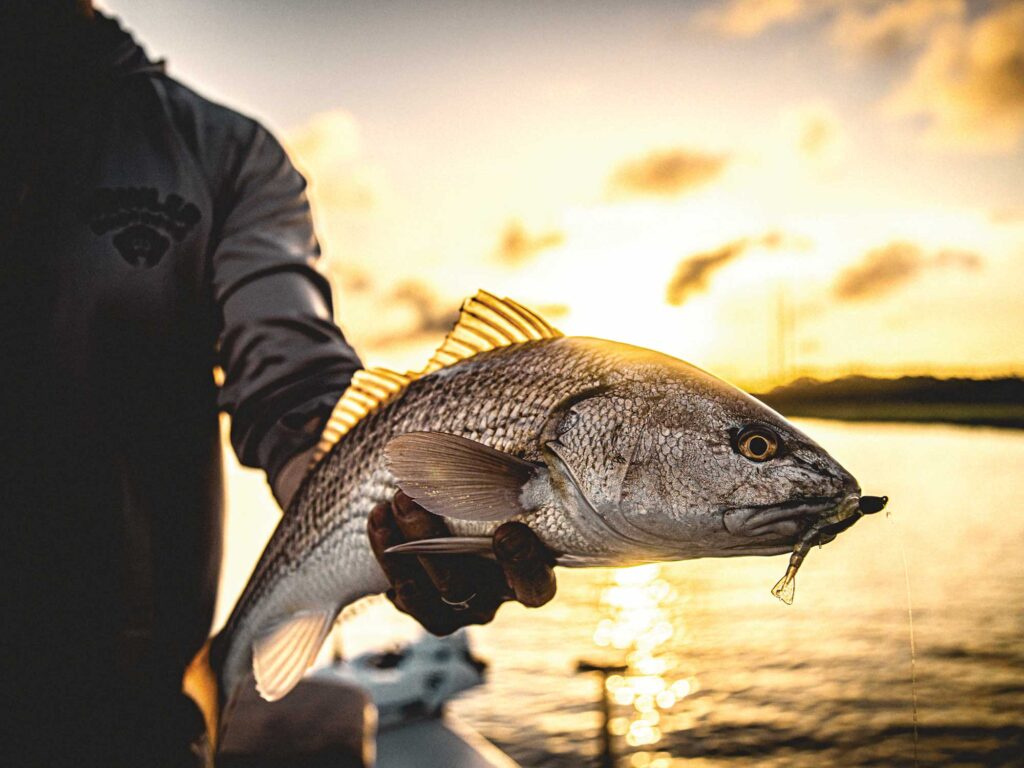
{"x":781,"y":523}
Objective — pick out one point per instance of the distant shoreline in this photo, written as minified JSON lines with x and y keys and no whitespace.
{"x":916,"y":400}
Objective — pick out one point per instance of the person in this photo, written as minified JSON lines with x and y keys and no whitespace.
{"x":148,"y":235}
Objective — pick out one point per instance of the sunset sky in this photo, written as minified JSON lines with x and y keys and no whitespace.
{"x":700,"y":178}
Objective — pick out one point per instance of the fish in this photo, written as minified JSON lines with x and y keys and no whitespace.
{"x":614,"y":455}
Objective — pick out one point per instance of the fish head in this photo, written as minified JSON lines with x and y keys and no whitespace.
{"x":675,"y":463}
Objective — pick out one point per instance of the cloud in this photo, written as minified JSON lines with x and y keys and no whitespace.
{"x":891,"y":30}
{"x":432,"y":315}
{"x":886,"y":268}
{"x":552,"y":311}
{"x":328,"y":151}
{"x":815,"y":135}
{"x":859,"y":25}
{"x":381,"y":313}
{"x":955,"y":257}
{"x":966,"y":78}
{"x":694,"y":273}
{"x":349,"y":279}
{"x":880,"y":270}
{"x":518,"y":246}
{"x":666,"y":173}
{"x":818,"y":134}
{"x":968,"y":84}
{"x":749,"y":18}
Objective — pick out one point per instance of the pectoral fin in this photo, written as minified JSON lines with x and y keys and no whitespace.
{"x":281,"y":655}
{"x":460,"y":478}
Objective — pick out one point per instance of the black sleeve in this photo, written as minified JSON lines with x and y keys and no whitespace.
{"x":285,"y":362}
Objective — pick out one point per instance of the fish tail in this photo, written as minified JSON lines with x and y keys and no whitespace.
{"x":200,"y":684}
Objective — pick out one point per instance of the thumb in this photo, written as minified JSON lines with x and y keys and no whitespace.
{"x":527,"y":563}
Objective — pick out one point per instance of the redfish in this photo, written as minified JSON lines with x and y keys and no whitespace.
{"x":612,"y":454}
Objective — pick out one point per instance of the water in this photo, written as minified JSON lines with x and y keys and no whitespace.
{"x":913,"y":643}
{"x":723,"y":674}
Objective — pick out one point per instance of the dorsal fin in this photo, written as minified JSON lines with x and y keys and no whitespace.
{"x":369,"y":388}
{"x":485,"y":322}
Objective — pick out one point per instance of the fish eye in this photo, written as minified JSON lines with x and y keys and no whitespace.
{"x":757,"y":443}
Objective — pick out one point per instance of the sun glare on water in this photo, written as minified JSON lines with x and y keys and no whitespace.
{"x":636,"y":624}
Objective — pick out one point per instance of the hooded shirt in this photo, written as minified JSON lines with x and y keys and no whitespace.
{"x":147,"y":236}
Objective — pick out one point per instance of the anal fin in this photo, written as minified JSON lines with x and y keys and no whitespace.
{"x":281,"y":655}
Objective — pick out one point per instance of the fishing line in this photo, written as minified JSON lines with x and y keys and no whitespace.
{"x":910,"y":618}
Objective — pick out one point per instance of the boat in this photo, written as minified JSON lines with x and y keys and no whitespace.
{"x":409,"y":686}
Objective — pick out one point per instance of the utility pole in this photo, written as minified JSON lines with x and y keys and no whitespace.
{"x":607,"y":758}
{"x":785,"y":332}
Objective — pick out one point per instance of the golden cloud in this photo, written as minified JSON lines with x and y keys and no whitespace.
{"x":967,"y":79}
{"x":433,"y":315}
{"x":863,"y":25}
{"x":517,"y":246}
{"x":890,"y":266}
{"x":694,"y":273}
{"x":666,"y":173}
{"x":815,"y":135}
{"x":749,"y":18}
{"x":968,"y":84}
{"x":893,"y":29}
{"x":819,"y":135}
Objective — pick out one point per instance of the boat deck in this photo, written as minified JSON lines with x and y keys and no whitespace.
{"x":445,"y":742}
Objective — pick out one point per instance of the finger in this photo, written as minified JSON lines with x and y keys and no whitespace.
{"x":384,"y":532}
{"x":415,"y":522}
{"x":492,"y":590}
{"x":439,"y":618}
{"x":420,"y":600}
{"x":412,"y":591}
{"x":449,"y":573}
{"x":527,"y":564}
{"x":481,"y":615}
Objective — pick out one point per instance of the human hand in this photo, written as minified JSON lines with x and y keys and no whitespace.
{"x":290,"y":477}
{"x":446,"y":592}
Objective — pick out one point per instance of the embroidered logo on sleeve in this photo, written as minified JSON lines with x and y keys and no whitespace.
{"x":144,"y":225}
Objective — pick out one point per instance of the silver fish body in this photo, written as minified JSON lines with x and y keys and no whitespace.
{"x":633,"y":458}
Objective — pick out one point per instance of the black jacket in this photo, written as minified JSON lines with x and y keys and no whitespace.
{"x":147,"y":235}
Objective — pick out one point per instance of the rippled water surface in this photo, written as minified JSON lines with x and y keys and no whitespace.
{"x":720,"y":673}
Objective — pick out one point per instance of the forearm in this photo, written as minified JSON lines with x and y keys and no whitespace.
{"x":286,"y":364}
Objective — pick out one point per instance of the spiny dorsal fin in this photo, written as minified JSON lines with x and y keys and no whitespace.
{"x":485,"y":322}
{"x":369,"y":388}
